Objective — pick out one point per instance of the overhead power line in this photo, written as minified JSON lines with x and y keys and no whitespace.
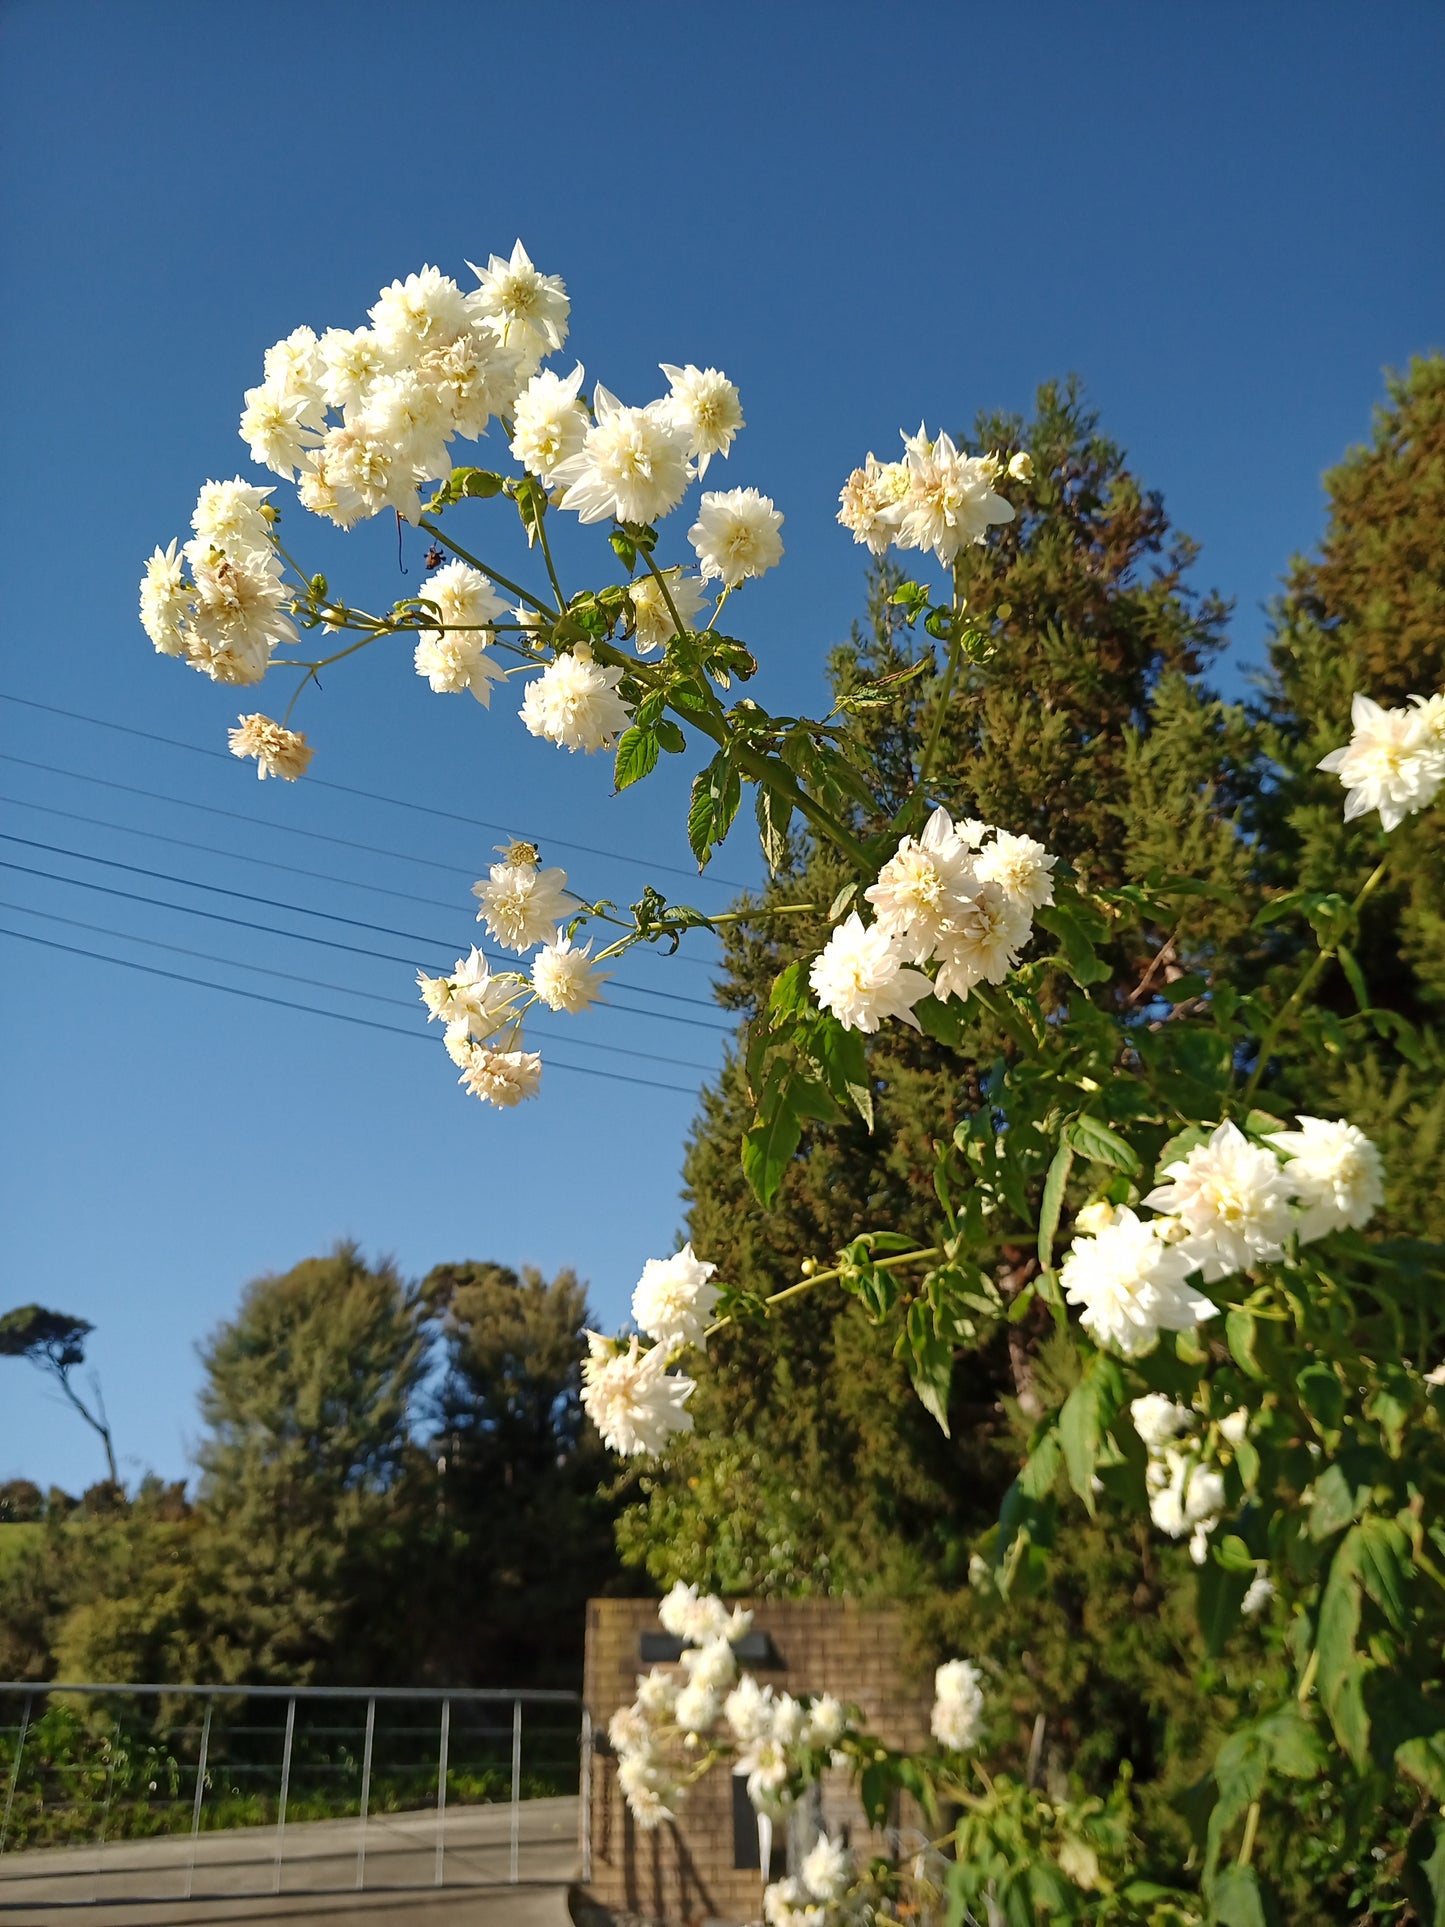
{"x":301,"y":936}
{"x":438,"y":944}
{"x":281,"y":829}
{"x":372,"y":796}
{"x":310,"y":1010}
{"x":339,"y":990}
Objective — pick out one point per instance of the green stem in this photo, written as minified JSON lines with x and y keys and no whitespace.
{"x":540,"y":524}
{"x":717,"y":611}
{"x":514,"y":588}
{"x":775,"y":775}
{"x":1251,"y":1826}
{"x":923,"y":1256}
{"x":661,"y":580}
{"x":945,"y":695}
{"x":1296,"y":996}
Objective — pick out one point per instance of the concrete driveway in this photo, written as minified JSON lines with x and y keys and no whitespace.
{"x":139,"y":1882}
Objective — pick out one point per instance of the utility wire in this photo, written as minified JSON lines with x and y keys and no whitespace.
{"x":371,"y":796}
{"x":283,"y":829}
{"x":299,"y":910}
{"x":310,"y":1010}
{"x":339,"y":990}
{"x":301,"y":936}
{"x":292,"y":869}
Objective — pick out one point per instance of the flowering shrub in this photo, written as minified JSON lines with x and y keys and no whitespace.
{"x":1250,"y":1369}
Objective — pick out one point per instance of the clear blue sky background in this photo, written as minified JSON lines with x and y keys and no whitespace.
{"x":1227,"y":219}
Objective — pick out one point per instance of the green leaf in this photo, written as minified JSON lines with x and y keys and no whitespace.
{"x":636,"y":757}
{"x":1238,"y":1900}
{"x":1425,"y":1871}
{"x":1093,"y":1139}
{"x":772,"y":1138}
{"x":1087,"y":1414}
{"x":930,"y":1364}
{"x":1322,"y":1396}
{"x":1053,"y":1199}
{"x":726,"y":794}
{"x":1340,"y":1664}
{"x":1332,"y":1505}
{"x":774,"y":815}
{"x":1423,"y":1758}
{"x":1219,"y":1594}
{"x":1083,"y":962}
{"x":669,"y":736}
{"x":1382,"y":1557}
{"x":700,"y":819}
{"x":788,"y":1000}
{"x":1354,"y":976}
{"x":843,"y":1058}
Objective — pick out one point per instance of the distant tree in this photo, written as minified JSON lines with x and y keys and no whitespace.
{"x":21,"y":1503}
{"x":54,"y":1342}
{"x":524,"y":1533}
{"x":303,"y":1546}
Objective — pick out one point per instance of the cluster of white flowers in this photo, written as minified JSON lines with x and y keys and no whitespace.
{"x":453,"y":657}
{"x":522,"y":906}
{"x":1395,"y":760}
{"x":1186,"y":1491}
{"x":957,"y":1716}
{"x":935,"y":498}
{"x":434,"y":364}
{"x":960,"y":896}
{"x":676,"y":1725}
{"x":823,"y":1893}
{"x":278,"y":751}
{"x":227,"y":617}
{"x":628,"y":1391}
{"x":1229,"y":1204}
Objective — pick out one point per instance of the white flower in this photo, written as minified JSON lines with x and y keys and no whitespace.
{"x":872,"y":502}
{"x":228,"y":516}
{"x":826,"y":1721}
{"x":673,"y":1300}
{"x":649,"y":1788}
{"x":712,"y":1666}
{"x":688,"y":1614}
{"x":767,"y":1770}
{"x":574,"y":703}
{"x":278,"y":752}
{"x":471,"y":995}
{"x":473,"y":378}
{"x":748,"y":1710}
{"x":524,"y":308}
{"x":239,"y":619}
{"x":704,"y":404}
{"x":521,"y":902}
{"x":951,"y":499}
{"x":419,"y":313}
{"x":405,"y":416}
{"x":1020,"y":867}
{"x":1234,"y":1426}
{"x":293,"y":365}
{"x":629,"y":1731}
{"x":1132,"y":1285}
{"x":328,"y":493}
{"x":457,"y":1038}
{"x":165,"y":601}
{"x":1335,"y":1172}
{"x":654,"y":626}
{"x":632,"y":465}
{"x":986,"y":931}
{"x":454,"y":660}
{"x":1394,"y":762}
{"x":1261,"y":1591}
{"x":566,"y":979}
{"x":861,"y":978}
{"x":351,"y":361}
{"x":827,"y":1869}
{"x":1232,"y":1199}
{"x":279,"y":428}
{"x":502,"y":1077}
{"x":464,"y":598}
{"x":957,"y":1705}
{"x":631,"y":1397}
{"x":919,"y":888}
{"x":697,"y":1707}
{"x":1158,"y":1420}
{"x":787,"y":1903}
{"x":549,"y":422}
{"x":736,"y":535}
{"x":1021,"y":466}
{"x":1185,"y":1495}
{"x":657,"y":1693}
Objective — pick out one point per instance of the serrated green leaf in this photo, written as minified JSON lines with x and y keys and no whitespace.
{"x":669,"y":736}
{"x":1086,"y":1416}
{"x":774,"y":814}
{"x":1092,"y":1138}
{"x":700,"y":819}
{"x":930,"y":1363}
{"x":788,"y":999}
{"x":1219,"y":1595}
{"x":1237,"y":1899}
{"x":1354,"y":976}
{"x":1083,"y":962}
{"x":636,"y":757}
{"x":772,"y":1138}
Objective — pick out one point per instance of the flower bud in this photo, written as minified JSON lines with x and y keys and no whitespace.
{"x":1021,"y":466}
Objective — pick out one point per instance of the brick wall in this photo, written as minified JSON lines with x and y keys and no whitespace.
{"x":683,"y":1872}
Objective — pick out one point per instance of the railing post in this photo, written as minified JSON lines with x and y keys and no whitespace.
{"x":199,"y":1797}
{"x":285,"y":1789}
{"x":15,"y":1770}
{"x":585,"y":1793}
{"x":365,"y":1792}
{"x":439,"y":1877}
{"x":516,"y":1854}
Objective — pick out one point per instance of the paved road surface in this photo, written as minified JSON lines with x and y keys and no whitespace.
{"x":134,"y":1883}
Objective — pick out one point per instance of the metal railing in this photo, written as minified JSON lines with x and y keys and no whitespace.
{"x":140,"y":1780}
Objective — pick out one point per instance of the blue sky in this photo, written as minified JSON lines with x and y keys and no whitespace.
{"x":1227,"y":220}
